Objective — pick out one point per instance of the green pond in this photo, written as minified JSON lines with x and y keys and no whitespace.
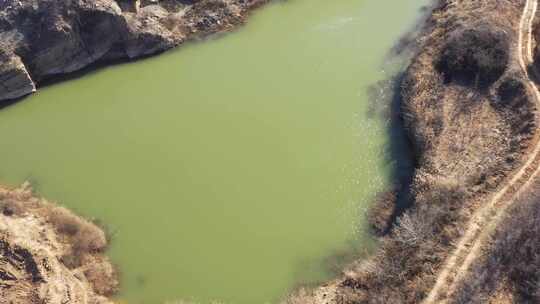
{"x":232,"y":169}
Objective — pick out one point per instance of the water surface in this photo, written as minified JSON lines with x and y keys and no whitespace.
{"x":230,"y":169}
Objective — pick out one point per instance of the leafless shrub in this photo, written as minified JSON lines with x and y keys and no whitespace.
{"x":85,"y":237}
{"x":64,"y":221}
{"x":90,"y":239}
{"x":412,"y":230}
{"x":103,"y":277}
{"x":475,"y":54}
{"x":380,"y":215}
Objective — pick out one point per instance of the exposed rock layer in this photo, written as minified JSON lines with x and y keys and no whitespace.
{"x":43,"y":38}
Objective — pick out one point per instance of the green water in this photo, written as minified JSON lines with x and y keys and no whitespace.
{"x":230,"y":169}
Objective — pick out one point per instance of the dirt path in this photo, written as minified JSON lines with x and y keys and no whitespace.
{"x":487,"y":217}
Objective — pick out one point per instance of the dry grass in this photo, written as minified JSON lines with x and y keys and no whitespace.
{"x":510,"y":264}
{"x":467,"y":138}
{"x":86,"y":237}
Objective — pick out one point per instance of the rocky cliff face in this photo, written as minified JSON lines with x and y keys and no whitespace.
{"x":43,"y":38}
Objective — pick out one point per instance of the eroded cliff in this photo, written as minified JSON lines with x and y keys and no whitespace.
{"x":40,"y":39}
{"x":470,"y":114}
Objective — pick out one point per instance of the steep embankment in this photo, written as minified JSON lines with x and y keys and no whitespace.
{"x":41,"y":39}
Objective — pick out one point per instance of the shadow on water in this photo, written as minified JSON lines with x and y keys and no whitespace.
{"x":386,"y":101}
{"x":56,"y":79}
{"x":6,"y":103}
{"x":385,"y":104}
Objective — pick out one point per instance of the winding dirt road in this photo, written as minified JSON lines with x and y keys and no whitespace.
{"x":484,"y":221}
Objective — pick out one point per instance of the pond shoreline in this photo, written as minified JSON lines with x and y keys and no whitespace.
{"x":465,"y":149}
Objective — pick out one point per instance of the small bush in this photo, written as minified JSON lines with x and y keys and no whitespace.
{"x":64,"y":222}
{"x":85,"y":236}
{"x":381,"y":214}
{"x":11,"y":208}
{"x":90,"y":239}
{"x":411,"y":230}
{"x":510,"y":89}
{"x":475,"y":55}
{"x":103,"y":278}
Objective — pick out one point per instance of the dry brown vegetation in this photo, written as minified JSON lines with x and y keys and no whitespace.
{"x":49,"y":255}
{"x":476,"y":55}
{"x":511,"y":260}
{"x":471,"y":122}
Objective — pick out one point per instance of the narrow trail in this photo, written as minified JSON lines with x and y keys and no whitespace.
{"x":488,"y":216}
